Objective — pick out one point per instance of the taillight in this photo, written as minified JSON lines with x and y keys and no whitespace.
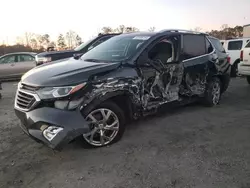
{"x":228,"y":59}
{"x":241,"y":55}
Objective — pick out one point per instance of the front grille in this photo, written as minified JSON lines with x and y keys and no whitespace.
{"x":29,"y":88}
{"x":24,"y":100}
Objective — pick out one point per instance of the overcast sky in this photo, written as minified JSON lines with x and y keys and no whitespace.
{"x":87,"y":17}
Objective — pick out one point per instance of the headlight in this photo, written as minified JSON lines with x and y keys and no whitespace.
{"x":57,"y":92}
{"x":43,"y":59}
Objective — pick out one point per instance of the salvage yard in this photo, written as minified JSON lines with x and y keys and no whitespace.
{"x":192,"y":146}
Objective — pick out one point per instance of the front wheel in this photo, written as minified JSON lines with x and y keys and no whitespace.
{"x":107,"y":125}
{"x":213,"y":92}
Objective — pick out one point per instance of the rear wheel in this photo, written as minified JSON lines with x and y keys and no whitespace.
{"x":248,"y":79}
{"x":234,"y":69}
{"x":213,"y":92}
{"x":107,"y":125}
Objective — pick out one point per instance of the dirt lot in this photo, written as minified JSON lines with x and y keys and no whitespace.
{"x":190,"y":147}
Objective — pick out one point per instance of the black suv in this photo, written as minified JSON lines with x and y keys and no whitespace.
{"x":124,"y":78}
{"x":46,"y":57}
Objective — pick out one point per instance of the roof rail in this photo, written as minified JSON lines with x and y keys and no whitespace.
{"x":182,"y":31}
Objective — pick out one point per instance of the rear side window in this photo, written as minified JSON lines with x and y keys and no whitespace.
{"x":217,"y":44}
{"x":24,"y":57}
{"x":193,"y":46}
{"x":235,"y":45}
{"x":248,"y":45}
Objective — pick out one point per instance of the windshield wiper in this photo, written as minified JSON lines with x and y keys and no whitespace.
{"x":92,"y":60}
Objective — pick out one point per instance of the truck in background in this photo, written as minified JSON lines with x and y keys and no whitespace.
{"x":233,"y":48}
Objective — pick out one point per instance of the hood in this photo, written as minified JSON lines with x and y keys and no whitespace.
{"x":53,"y":53}
{"x":65,"y":73}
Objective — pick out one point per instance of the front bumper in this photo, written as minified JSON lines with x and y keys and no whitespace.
{"x":244,"y":69}
{"x":72,"y":122}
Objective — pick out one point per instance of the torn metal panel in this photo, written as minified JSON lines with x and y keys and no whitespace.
{"x":194,"y":84}
{"x":162,"y":87}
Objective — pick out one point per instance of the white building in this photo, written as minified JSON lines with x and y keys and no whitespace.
{"x":246,"y":30}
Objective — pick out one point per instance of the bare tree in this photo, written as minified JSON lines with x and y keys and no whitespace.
{"x":78,"y":40}
{"x":197,"y":29}
{"x":70,"y":35}
{"x":20,"y":40}
{"x":61,"y":42}
{"x":107,"y":30}
{"x":33,"y":43}
{"x":28,"y":36}
{"x":120,"y":29}
{"x":151,"y":29}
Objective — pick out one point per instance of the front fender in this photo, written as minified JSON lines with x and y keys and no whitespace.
{"x":113,"y":88}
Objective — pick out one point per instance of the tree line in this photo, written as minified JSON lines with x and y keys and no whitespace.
{"x":69,"y":40}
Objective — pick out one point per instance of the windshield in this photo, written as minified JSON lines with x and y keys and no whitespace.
{"x":117,"y":48}
{"x":80,"y":47}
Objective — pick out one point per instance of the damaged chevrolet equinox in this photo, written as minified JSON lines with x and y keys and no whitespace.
{"x":129,"y":76}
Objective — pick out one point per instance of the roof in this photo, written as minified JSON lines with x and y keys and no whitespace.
{"x":14,"y":53}
{"x":246,"y":25}
{"x":166,"y":31}
{"x":240,"y":38}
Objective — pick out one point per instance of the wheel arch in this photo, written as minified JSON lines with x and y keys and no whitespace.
{"x":123,"y":99}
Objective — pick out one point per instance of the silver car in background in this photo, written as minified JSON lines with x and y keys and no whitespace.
{"x":14,"y":65}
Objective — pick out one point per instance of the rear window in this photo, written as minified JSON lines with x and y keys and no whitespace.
{"x":248,"y":45}
{"x":235,"y":45}
{"x":217,"y":44}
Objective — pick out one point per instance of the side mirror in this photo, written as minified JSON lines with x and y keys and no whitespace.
{"x":77,"y":56}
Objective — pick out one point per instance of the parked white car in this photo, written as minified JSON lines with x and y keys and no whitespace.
{"x":244,"y":65}
{"x":233,"y":47}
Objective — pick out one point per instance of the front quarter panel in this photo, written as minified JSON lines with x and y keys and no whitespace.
{"x":122,"y":81}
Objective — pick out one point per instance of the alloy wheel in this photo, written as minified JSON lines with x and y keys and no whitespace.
{"x":216,"y":93}
{"x":104,"y":126}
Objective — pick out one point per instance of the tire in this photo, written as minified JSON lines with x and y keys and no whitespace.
{"x":101,"y":128}
{"x":234,"y":70}
{"x":213,"y":93}
{"x":248,"y":79}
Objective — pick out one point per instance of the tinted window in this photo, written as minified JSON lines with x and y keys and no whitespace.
{"x":101,"y":40}
{"x":217,"y":44}
{"x":194,"y":45}
{"x":7,"y":59}
{"x":248,"y":45}
{"x":117,"y":48}
{"x":24,"y":57}
{"x":235,"y":45}
{"x":209,"y":47}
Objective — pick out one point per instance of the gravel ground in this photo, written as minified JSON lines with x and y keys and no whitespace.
{"x":192,"y":146}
